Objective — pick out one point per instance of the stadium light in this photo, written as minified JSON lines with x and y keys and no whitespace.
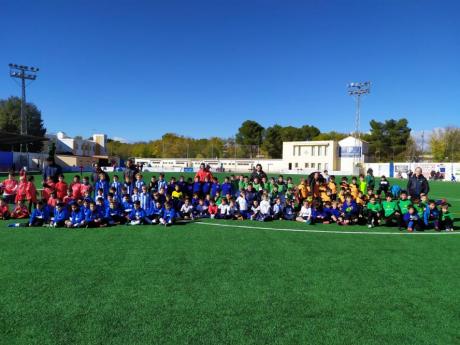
{"x":18,"y":71}
{"x":357,"y":90}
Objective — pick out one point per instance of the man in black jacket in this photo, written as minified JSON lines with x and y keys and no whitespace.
{"x":417,"y":184}
{"x":259,"y":173}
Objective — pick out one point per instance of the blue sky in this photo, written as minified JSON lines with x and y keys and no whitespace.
{"x":138,"y":69}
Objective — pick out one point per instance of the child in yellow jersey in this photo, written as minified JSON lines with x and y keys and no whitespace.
{"x":326,"y":194}
{"x":362,"y":184}
{"x":333,"y":187}
{"x":341,"y":195}
{"x":361,"y":199}
{"x":176,"y":194}
{"x":302,"y":190}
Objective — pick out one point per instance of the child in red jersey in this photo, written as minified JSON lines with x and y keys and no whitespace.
{"x":4,"y":210}
{"x":20,"y":211}
{"x":22,"y":187}
{"x":10,"y":186}
{"x":31,"y":192}
{"x":75,"y":187}
{"x":61,"y":187}
{"x":48,"y":188}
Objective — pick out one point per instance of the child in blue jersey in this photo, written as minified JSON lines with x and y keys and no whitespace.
{"x":144,"y":198}
{"x":126,"y":204}
{"x":215,"y":187}
{"x":103,"y":184}
{"x":77,"y":218}
{"x":135,"y":195}
{"x":114,"y":215}
{"x":395,"y":190}
{"x":162,"y":184}
{"x":335,"y":212}
{"x":226,"y":187}
{"x":411,"y":219}
{"x":139,"y":182}
{"x":40,"y":215}
{"x":278,"y":209}
{"x":289,"y":211}
{"x":127,"y":187}
{"x":349,"y":210}
{"x":196,"y":187}
{"x":93,"y":217}
{"x":431,"y":216}
{"x":116,"y":184}
{"x":201,"y":210}
{"x":138,"y":215}
{"x":206,"y":186}
{"x":155,"y":212}
{"x":60,"y":216}
{"x":169,"y":215}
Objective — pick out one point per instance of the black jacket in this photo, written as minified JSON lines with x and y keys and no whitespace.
{"x":417,"y":185}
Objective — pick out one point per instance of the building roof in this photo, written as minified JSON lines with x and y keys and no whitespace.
{"x":8,"y":138}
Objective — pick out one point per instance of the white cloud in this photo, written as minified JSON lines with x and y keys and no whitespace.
{"x":121,"y":140}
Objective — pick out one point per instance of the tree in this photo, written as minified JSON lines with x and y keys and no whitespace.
{"x":333,"y":135}
{"x":445,"y":144}
{"x":387,"y":140}
{"x":275,"y":135}
{"x":250,"y":136}
{"x":10,"y":121}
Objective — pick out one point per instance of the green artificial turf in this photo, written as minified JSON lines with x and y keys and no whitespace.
{"x":211,"y":284}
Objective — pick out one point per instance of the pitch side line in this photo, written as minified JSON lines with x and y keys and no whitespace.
{"x":331,"y":231}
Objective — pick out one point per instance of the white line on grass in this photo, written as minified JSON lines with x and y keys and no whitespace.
{"x":330,"y":231}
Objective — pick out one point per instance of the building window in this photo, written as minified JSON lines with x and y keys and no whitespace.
{"x":325,"y":150}
{"x":313,"y":150}
{"x":319,"y":166}
{"x":312,"y":165}
{"x":293,"y":150}
{"x":298,"y":150}
{"x":296,"y":165}
{"x":319,"y":150}
{"x":306,"y":165}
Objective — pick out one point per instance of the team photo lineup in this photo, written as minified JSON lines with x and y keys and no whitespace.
{"x":99,"y":201}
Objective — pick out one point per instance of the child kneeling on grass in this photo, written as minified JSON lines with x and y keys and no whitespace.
{"x":138,"y":215}
{"x":169,"y":215}
{"x":60,"y":216}
{"x":306,"y":213}
{"x":77,"y":217}
{"x":446,"y":222}
{"x":374,"y":212}
{"x":411,"y":219}
{"x":431,"y":216}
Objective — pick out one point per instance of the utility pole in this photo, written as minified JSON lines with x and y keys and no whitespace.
{"x":19,"y":72}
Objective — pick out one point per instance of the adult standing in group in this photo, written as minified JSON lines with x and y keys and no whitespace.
{"x":97,"y":170}
{"x":259,"y":173}
{"x":52,"y":170}
{"x":130,"y":170}
{"x":417,"y":184}
{"x":370,"y":179}
{"x":203,"y":173}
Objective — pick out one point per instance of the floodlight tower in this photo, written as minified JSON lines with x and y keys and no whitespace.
{"x":357,"y":90}
{"x":24,"y":73}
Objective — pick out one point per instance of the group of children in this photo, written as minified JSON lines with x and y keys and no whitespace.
{"x":112,"y":202}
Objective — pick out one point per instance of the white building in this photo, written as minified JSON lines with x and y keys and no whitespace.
{"x":310,"y":155}
{"x":353,"y":153}
{"x":97,"y":146}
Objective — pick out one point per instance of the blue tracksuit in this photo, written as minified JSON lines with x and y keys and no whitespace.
{"x":206,"y":188}
{"x":196,"y":188}
{"x":60,"y":216}
{"x":76,"y":217}
{"x":117,"y":185}
{"x":169,"y":215}
{"x":227,"y":188}
{"x":138,"y":214}
{"x":39,"y":215}
{"x":215,"y":187}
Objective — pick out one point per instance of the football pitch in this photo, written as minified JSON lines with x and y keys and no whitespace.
{"x":231,"y":282}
